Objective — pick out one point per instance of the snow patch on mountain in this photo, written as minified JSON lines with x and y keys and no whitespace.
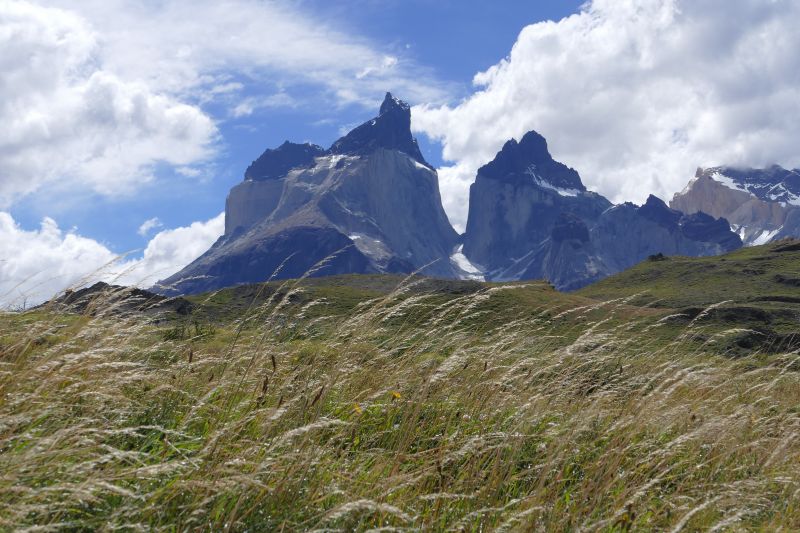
{"x":330,"y":161}
{"x":420,"y":165}
{"x":538,"y":180}
{"x":468,"y":269}
{"x":726,"y":181}
{"x":777,"y":192}
{"x":764,"y":237}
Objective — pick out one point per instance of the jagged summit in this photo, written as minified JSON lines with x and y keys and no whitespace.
{"x":656,"y":210}
{"x":530,"y":160}
{"x":390,"y":103}
{"x":531,"y":217}
{"x":276,"y":162}
{"x":391,"y":130}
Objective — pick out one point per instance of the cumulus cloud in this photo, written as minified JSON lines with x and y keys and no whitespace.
{"x":35,"y":265}
{"x":99,"y":93}
{"x":169,"y":251}
{"x":635,"y":94}
{"x":67,"y":120}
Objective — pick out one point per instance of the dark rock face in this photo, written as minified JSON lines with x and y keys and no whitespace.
{"x":289,"y":253}
{"x":627,"y":235}
{"x":529,"y":161}
{"x":370,"y":204}
{"x":275,"y":163}
{"x":531,"y":217}
{"x":655,"y":210}
{"x":570,"y":227}
{"x":697,"y":226}
{"x":705,"y":228}
{"x":390,"y":130}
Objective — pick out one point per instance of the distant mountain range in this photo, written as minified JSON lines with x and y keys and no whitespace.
{"x":762,"y":205}
{"x":531,"y":217}
{"x":371,"y":204}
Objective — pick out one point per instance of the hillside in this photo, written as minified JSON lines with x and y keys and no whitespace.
{"x":759,"y":275}
{"x":357,"y":403}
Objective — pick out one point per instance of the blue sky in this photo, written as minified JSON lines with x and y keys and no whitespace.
{"x":118,"y":112}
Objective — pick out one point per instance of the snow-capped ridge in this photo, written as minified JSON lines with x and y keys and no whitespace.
{"x":761,"y":205}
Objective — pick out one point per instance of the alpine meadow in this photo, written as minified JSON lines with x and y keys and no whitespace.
{"x":399,"y":266}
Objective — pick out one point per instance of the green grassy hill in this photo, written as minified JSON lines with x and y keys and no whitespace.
{"x":382,"y":403}
{"x":761,"y":275}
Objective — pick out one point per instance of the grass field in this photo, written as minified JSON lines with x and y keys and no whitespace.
{"x":666,"y":398}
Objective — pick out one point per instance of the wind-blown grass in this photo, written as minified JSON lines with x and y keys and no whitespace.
{"x":412,"y":410}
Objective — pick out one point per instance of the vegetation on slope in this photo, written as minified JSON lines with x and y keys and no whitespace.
{"x":760,"y":275}
{"x":346,"y":404}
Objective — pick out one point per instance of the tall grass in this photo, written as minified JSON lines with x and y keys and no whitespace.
{"x":413,"y":411}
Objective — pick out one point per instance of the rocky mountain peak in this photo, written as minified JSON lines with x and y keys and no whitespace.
{"x":274,"y":163}
{"x":391,"y":130}
{"x":702,"y":227}
{"x":529,"y":161}
{"x":656,"y":210}
{"x":392,"y":104}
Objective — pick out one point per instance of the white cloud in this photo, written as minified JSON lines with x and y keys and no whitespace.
{"x":149,"y":225}
{"x":190,"y":45}
{"x":250,"y":104}
{"x":98,"y":93}
{"x":635,"y":94}
{"x":170,"y":250}
{"x":66,"y":119}
{"x":35,"y":265}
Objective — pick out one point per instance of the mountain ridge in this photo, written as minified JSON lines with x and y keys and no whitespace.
{"x":532,"y":217}
{"x":370,"y":203}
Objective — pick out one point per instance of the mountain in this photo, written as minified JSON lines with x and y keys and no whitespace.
{"x":531,"y":217}
{"x":368,"y":204}
{"x":516,"y":200}
{"x":762,"y":205}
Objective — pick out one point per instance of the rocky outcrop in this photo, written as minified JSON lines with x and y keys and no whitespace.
{"x":369,"y":204}
{"x":102,"y":299}
{"x":275,"y":163}
{"x":531,"y":217}
{"x":762,"y":205}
